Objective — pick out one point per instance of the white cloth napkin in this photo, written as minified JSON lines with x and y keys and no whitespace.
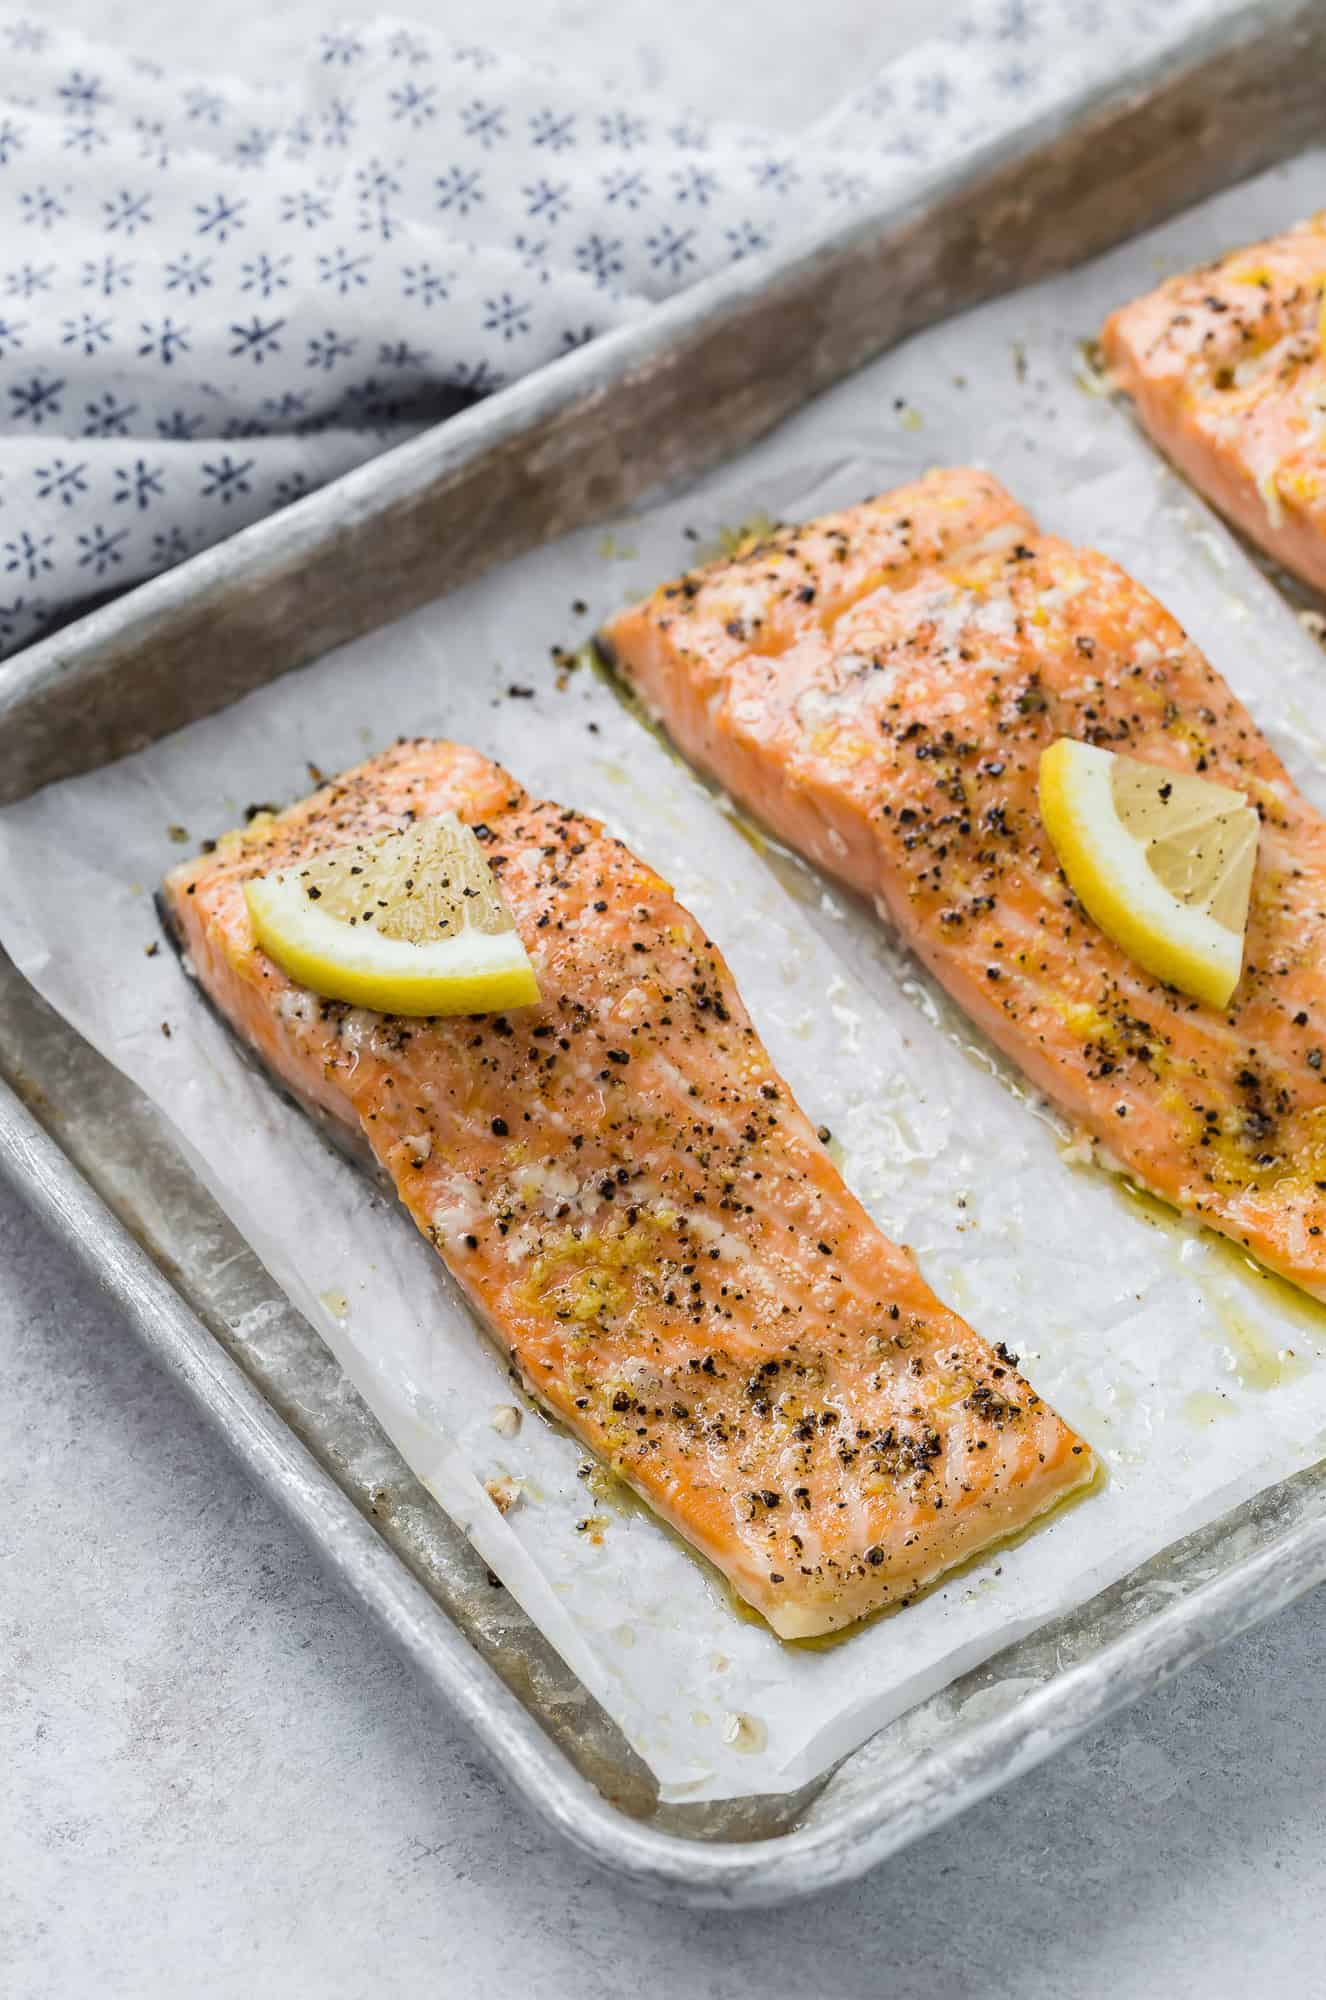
{"x":216,"y":296}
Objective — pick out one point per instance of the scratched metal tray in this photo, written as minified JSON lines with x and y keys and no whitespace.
{"x":641,"y":409}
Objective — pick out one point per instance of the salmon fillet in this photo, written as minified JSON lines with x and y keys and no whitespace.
{"x":878,"y":686}
{"x":641,"y":1215}
{"x":1226,"y":369}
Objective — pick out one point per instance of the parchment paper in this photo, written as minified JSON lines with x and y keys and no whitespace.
{"x":1197,"y":1380}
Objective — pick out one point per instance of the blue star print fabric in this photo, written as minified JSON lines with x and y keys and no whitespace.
{"x":216,"y":296}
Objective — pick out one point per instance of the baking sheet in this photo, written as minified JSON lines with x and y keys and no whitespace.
{"x":1197,"y":1380}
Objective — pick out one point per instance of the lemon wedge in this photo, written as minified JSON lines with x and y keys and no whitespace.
{"x":1162,"y":861}
{"x":405,"y":923}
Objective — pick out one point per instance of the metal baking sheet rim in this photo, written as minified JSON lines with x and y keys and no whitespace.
{"x":928,"y":1786}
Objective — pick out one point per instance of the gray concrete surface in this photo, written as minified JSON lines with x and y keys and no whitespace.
{"x":214,"y":1778}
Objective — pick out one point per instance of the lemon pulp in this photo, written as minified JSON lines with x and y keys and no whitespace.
{"x":404,"y":923}
{"x":1162,"y":860}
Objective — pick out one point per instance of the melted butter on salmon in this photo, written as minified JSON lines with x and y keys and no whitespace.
{"x":877,"y":688}
{"x":642,"y":1216}
{"x":1226,"y":369}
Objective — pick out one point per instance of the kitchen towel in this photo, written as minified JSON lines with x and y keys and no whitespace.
{"x":214,"y":296}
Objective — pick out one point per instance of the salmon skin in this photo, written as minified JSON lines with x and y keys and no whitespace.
{"x":1226,"y":370}
{"x":877,"y":688}
{"x":641,"y":1215}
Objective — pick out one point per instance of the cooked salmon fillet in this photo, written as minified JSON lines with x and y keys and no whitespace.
{"x":878,"y":687}
{"x":1226,"y":369}
{"x":641,"y":1215}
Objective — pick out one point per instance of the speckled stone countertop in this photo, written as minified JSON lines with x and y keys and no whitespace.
{"x":218,"y":1781}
